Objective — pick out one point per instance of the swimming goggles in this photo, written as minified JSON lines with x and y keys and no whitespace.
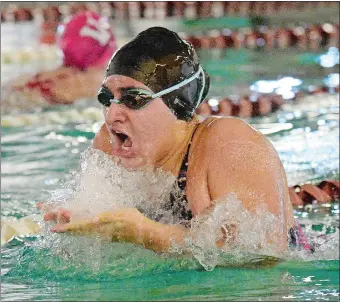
{"x":138,"y":98}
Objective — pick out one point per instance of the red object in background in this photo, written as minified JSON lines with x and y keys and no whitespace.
{"x":316,"y":90}
{"x":206,"y":42}
{"x":277,"y":101}
{"x":48,"y":32}
{"x":301,"y":34}
{"x":221,"y":41}
{"x":237,"y":38}
{"x":330,"y":33}
{"x":294,"y":197}
{"x":87,"y":40}
{"x":77,"y":8}
{"x":225,"y":107}
{"x":52,"y":14}
{"x":3,"y":16}
{"x":44,"y":86}
{"x":204,"y":9}
{"x":204,"y":109}
{"x":195,"y":41}
{"x":250,"y":39}
{"x":325,"y":191}
{"x":308,"y":193}
{"x":314,"y":37}
{"x":23,"y":14}
{"x":283,"y":38}
{"x":269,"y":38}
{"x":52,"y":17}
{"x":331,"y":187}
{"x":179,"y":9}
{"x":265,"y":105}
{"x":121,"y":10}
{"x":245,"y":107}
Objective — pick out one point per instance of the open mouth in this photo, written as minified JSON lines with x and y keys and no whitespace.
{"x":123,"y":139}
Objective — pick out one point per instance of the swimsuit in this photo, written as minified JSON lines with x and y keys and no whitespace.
{"x":178,"y":202}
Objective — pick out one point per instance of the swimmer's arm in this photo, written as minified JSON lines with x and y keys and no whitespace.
{"x":243,"y":162}
{"x":159,"y":237}
{"x":127,"y":225}
{"x":64,"y":85}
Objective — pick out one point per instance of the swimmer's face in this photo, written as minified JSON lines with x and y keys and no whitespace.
{"x":139,"y":137}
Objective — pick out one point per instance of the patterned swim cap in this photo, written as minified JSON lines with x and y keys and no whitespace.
{"x":160,"y":59}
{"x":86,"y":40}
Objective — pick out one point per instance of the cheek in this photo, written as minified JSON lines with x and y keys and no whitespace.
{"x":155,"y":122}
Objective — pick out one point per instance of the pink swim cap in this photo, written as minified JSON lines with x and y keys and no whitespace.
{"x":87,"y":40}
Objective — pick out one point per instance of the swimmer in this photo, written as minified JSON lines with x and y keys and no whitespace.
{"x":151,"y":90}
{"x":87,"y":43}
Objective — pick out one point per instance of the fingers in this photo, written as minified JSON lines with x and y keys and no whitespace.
{"x":80,"y":227}
{"x":50,"y":216}
{"x":44,"y":206}
{"x":59,"y":215}
{"x":62,"y":228}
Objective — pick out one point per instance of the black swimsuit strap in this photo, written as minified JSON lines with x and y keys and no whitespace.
{"x":179,"y":205}
{"x":182,"y":175}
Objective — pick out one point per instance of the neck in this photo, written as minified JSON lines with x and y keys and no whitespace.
{"x":172,"y":160}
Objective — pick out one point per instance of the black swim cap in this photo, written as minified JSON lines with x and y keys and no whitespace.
{"x":160,"y":59}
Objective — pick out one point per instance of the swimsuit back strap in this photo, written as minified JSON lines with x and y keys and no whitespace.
{"x":181,"y":179}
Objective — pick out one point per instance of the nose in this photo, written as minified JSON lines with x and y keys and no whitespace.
{"x":115,"y":113}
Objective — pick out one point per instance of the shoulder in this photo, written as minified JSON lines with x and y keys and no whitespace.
{"x":224,"y":132}
{"x":240,"y":159}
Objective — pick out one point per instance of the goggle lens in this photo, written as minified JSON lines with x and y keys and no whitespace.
{"x":133,"y":99}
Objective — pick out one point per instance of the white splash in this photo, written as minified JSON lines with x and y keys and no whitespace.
{"x":248,"y":236}
{"x":102,"y":185}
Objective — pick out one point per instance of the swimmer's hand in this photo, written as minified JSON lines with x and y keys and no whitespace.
{"x":53,"y":213}
{"x":121,"y":225}
{"x":127,"y":225}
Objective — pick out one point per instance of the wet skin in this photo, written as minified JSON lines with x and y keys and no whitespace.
{"x":227,"y":156}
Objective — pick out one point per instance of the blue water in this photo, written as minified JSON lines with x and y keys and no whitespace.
{"x":37,"y":160}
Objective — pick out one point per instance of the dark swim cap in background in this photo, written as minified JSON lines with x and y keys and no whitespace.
{"x":159,"y":59}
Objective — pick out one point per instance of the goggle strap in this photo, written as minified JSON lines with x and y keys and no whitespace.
{"x":202,"y":89}
{"x":179,"y":85}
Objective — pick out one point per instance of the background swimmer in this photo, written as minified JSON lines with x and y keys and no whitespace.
{"x":87,"y":42}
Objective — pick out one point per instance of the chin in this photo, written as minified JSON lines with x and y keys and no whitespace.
{"x":134,"y":163}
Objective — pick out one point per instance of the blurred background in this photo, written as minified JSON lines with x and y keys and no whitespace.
{"x":238,"y":42}
{"x":274,"y":64}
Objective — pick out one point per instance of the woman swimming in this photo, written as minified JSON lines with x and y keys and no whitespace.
{"x":152,"y":87}
{"x":87,"y":43}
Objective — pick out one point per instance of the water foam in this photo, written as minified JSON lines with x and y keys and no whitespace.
{"x":248,"y":237}
{"x":103,"y":185}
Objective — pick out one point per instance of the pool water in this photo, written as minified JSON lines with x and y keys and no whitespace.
{"x":37,"y":160}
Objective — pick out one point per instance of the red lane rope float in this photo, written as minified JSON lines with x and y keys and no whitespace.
{"x":195,"y":9}
{"x":312,"y":36}
{"x":244,"y":107}
{"x":325,"y":191}
{"x":261,"y":106}
{"x":309,"y":37}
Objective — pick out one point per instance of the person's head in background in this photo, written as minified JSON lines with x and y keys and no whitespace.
{"x":86,"y":40}
{"x":152,"y":88}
